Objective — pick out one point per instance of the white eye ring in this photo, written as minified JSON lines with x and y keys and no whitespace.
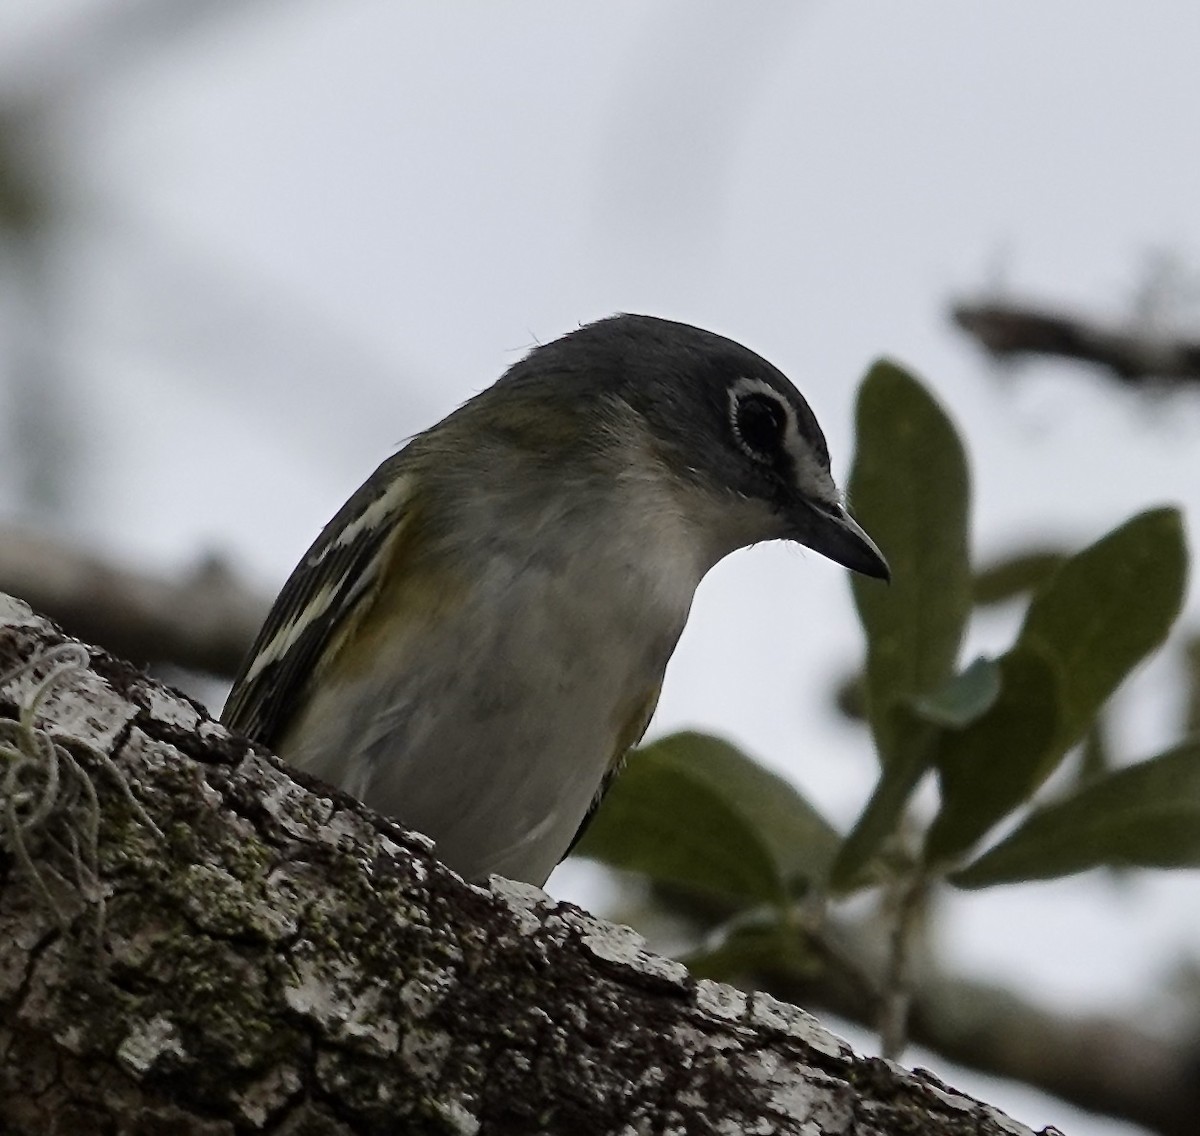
{"x":811,"y":475}
{"x":739,"y":394}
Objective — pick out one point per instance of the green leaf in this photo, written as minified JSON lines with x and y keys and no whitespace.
{"x":915,"y":747}
{"x":1191,"y":654}
{"x":965,"y":697}
{"x":802,"y":842}
{"x":694,"y":810}
{"x":767,"y":946}
{"x":1095,"y":757}
{"x":996,"y":762}
{"x":848,"y":696}
{"x":1015,"y":575}
{"x":1145,"y":816}
{"x":917,"y":730}
{"x":1105,"y":609}
{"x":910,"y":489}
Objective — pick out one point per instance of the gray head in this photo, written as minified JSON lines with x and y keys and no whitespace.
{"x":721,"y":418}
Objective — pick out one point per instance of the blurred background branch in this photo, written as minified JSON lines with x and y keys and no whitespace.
{"x":203,"y":621}
{"x":1106,"y":1064}
{"x":1009,"y":329}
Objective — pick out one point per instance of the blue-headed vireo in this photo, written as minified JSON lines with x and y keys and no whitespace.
{"x":479,"y":636}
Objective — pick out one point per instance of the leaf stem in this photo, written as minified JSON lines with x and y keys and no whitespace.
{"x":910,"y":898}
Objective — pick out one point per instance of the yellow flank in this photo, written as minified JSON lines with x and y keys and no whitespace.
{"x":410,"y":591}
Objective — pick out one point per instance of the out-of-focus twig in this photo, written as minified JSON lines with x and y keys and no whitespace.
{"x":204,"y":621}
{"x":1111,"y":1064}
{"x":1008,"y":329}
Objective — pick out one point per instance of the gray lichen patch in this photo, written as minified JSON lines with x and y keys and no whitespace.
{"x":263,"y":1098}
{"x":217,"y":996}
{"x":147,"y":1044}
{"x":297,"y":812}
{"x":170,"y":708}
{"x":716,"y":1000}
{"x":86,"y":707}
{"x":424,"y":1052}
{"x":17,"y":613}
{"x":422,"y":992}
{"x":624,"y":947}
{"x":333,"y":995}
{"x":769,"y":1012}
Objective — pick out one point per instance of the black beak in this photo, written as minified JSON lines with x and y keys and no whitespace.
{"x":831,"y":531}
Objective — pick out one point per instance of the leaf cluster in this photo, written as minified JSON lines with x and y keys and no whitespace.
{"x":694,"y":811}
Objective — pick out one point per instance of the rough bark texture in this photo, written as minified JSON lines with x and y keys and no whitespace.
{"x":1108,"y":1065}
{"x":275,"y":959}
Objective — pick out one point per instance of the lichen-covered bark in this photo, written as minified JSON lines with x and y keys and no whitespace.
{"x":275,"y":959}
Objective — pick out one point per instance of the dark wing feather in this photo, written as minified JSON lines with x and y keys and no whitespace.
{"x":326,"y":586}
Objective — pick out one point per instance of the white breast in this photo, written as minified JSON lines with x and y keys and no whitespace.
{"x":491,"y":729}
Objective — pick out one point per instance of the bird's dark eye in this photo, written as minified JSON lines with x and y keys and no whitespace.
{"x":759,"y":421}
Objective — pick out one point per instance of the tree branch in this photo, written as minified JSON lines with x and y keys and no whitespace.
{"x":203,"y":622}
{"x":1008,"y":330}
{"x":247,"y":951}
{"x":1103,"y":1064}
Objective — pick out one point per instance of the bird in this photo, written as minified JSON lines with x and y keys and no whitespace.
{"x":477,"y":639}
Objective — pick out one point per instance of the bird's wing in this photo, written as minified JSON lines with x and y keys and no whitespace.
{"x":338,"y":573}
{"x":634,"y":729}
